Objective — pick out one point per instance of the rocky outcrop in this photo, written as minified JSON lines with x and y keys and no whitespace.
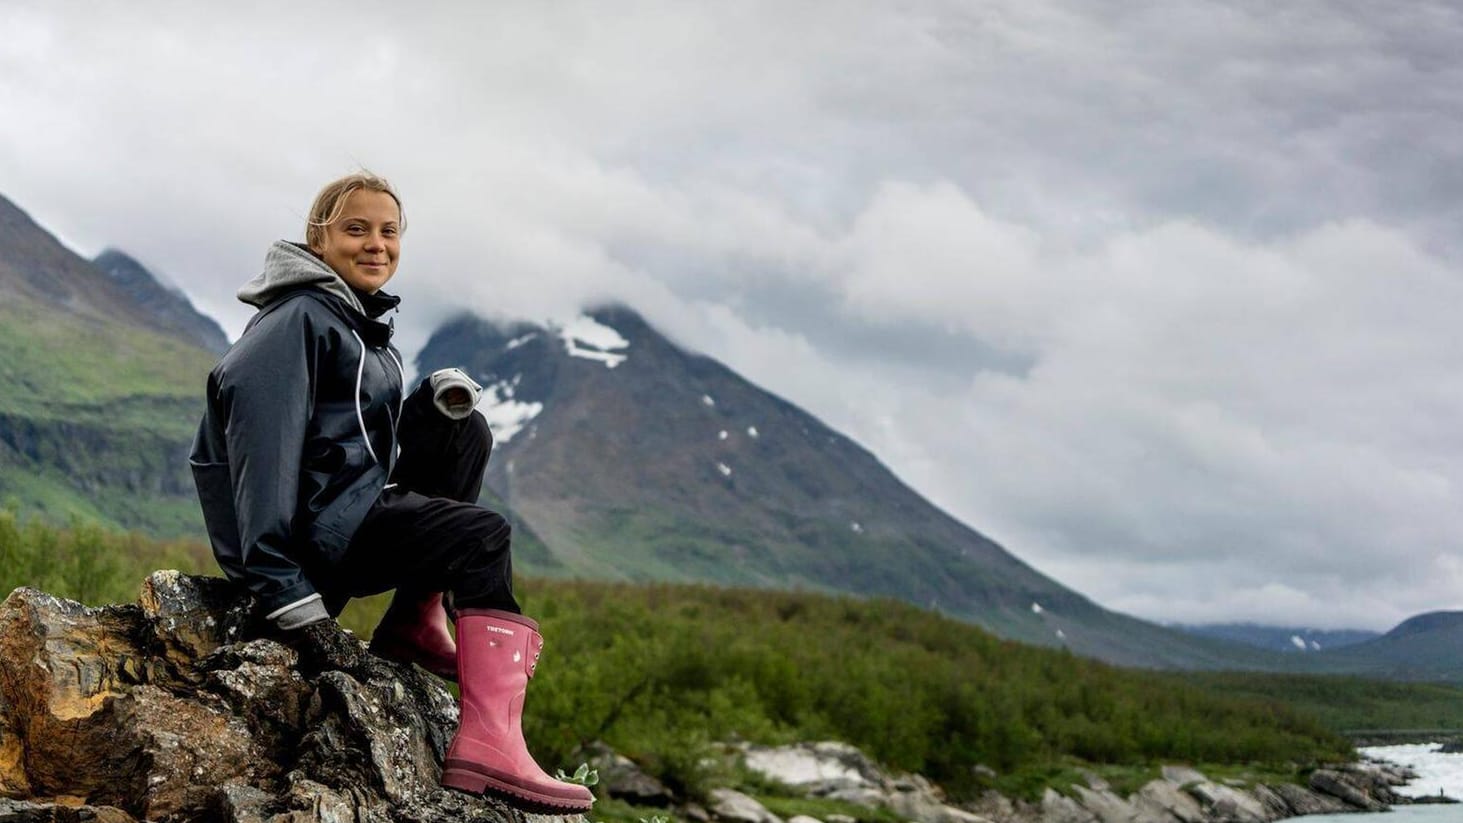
{"x":176,"y":708}
{"x":1182,"y":795}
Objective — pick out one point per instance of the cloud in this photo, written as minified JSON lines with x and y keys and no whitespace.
{"x":1157,"y":296}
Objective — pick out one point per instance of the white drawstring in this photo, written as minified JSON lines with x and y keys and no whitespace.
{"x":361,"y":418}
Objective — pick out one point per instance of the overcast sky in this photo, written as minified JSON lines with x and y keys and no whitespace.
{"x":1164,"y":297}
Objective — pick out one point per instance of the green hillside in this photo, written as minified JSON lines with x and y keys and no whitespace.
{"x":95,"y":419}
{"x":98,"y":390}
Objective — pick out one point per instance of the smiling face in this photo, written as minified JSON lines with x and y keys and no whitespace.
{"x":362,"y":244}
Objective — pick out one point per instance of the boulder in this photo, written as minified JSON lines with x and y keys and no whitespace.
{"x":1103,"y":804}
{"x":732,"y":806}
{"x":1227,"y":803}
{"x":1058,"y":808}
{"x":817,"y":768}
{"x":1344,"y":787}
{"x":1163,"y":797}
{"x":619,"y":777}
{"x":1302,"y":801}
{"x":181,"y":707}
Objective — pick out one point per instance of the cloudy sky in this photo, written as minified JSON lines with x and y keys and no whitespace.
{"x":1162,"y":296}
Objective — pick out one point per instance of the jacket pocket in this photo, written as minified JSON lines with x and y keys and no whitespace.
{"x":335,"y":525}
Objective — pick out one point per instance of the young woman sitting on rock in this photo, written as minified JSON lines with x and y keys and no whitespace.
{"x":321,"y":479}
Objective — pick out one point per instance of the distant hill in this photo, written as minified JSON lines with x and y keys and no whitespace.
{"x":171,"y":311}
{"x":631,"y":458}
{"x":98,"y":399}
{"x":1426,"y":647}
{"x":1280,"y":638}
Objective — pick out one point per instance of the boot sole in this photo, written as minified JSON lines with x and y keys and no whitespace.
{"x":477,"y":782}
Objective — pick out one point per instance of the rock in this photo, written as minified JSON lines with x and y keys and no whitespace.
{"x":619,"y":777}
{"x":1164,"y":797}
{"x":817,"y":768}
{"x":839,"y":771}
{"x":921,"y":807}
{"x":1344,"y":788}
{"x":1183,"y":775}
{"x":838,"y":818}
{"x":178,"y":709}
{"x":25,"y":811}
{"x":1057,"y":808}
{"x":1274,"y":804}
{"x":1229,"y":804}
{"x":802,"y":818}
{"x":1303,"y":801}
{"x":1103,"y":804}
{"x":732,"y":806}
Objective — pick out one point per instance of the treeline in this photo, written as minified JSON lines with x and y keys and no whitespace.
{"x":87,"y":562}
{"x":655,"y":670}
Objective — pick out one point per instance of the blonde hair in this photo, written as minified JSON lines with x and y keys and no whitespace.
{"x":331,"y":201}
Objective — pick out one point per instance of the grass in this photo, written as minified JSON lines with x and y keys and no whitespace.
{"x":54,"y":364}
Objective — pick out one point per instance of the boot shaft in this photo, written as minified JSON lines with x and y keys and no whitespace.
{"x":497,"y":653}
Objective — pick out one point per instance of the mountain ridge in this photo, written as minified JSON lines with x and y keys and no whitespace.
{"x":633,"y":458}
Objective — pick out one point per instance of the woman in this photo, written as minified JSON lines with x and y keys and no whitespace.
{"x":308,"y":503}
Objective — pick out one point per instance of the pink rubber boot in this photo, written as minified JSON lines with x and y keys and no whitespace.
{"x":414,"y":630}
{"x":496,"y":655}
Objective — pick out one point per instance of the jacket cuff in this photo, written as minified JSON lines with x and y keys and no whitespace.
{"x":300,"y":613}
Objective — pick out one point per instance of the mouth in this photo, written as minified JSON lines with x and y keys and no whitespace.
{"x":373,"y":266}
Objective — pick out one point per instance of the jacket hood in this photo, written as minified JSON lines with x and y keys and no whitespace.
{"x":289,"y":266}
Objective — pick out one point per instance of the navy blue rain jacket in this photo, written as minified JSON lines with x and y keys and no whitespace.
{"x":298,"y":438}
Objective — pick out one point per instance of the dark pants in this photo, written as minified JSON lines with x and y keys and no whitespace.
{"x":426,"y":533}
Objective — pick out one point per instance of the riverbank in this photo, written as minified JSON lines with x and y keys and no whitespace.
{"x":829,"y":778}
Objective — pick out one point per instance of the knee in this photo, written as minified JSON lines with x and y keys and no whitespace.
{"x":479,"y":434}
{"x":491,"y":529}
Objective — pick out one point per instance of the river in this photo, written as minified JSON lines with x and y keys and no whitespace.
{"x":1436,"y":772}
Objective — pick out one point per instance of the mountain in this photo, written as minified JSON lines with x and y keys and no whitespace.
{"x":172,"y":312}
{"x":1426,"y":647}
{"x":97,"y":399}
{"x":624,"y":456}
{"x":1280,"y":638}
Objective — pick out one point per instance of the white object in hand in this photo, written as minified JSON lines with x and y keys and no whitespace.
{"x":454,"y":393}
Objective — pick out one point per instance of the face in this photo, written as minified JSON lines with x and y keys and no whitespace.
{"x":362,"y":245}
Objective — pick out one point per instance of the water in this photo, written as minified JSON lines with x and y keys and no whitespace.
{"x":1435,"y":772}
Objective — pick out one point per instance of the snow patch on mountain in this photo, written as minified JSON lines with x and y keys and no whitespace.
{"x":751,"y":431}
{"x":519,"y":341}
{"x":590,"y":339}
{"x":707,"y":401}
{"x":506,"y":415}
{"x":724,"y":469}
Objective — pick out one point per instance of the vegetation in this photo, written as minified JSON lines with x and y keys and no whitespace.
{"x":86,"y":562}
{"x":1355,"y":706}
{"x":663,"y":673}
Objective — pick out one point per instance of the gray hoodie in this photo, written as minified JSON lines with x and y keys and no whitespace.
{"x":289,"y":266}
